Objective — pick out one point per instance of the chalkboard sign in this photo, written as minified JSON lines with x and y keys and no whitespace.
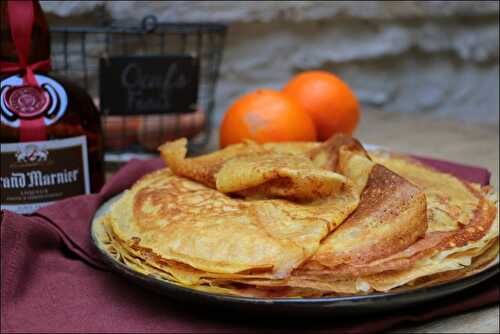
{"x":145,"y":85}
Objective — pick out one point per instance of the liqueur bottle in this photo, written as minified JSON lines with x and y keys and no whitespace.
{"x":50,"y":130}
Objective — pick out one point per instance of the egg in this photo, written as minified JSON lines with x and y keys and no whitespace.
{"x":120,"y":131}
{"x":155,"y":130}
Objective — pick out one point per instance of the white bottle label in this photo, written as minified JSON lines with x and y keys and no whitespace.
{"x":35,"y":174}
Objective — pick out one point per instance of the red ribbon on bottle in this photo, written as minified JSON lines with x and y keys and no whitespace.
{"x":21,"y":15}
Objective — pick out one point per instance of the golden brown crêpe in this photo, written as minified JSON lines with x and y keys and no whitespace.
{"x":454,"y":236}
{"x":167,"y":217}
{"x":251,"y":170}
{"x":204,"y":168}
{"x":453,"y":240}
{"x":459,"y":212}
{"x":345,"y":155}
{"x":391,"y":217}
{"x":393,"y":223}
{"x":181,"y":220}
{"x":297,"y":148}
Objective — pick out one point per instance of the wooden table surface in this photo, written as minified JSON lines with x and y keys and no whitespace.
{"x":474,"y":144}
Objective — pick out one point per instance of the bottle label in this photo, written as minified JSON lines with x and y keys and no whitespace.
{"x":19,"y":101}
{"x":35,"y":174}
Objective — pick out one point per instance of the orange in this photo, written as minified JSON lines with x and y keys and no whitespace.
{"x":265,"y":116}
{"x":331,"y":103}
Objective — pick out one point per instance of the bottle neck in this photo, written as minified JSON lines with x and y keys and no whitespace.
{"x":39,"y":44}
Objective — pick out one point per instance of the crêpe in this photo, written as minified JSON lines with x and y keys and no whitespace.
{"x":383,"y":246}
{"x":249,"y":169}
{"x":385,"y":222}
{"x":174,"y":218}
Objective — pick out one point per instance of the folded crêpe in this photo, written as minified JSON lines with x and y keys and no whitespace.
{"x":301,"y":220}
{"x":179,"y":216}
{"x":249,"y":169}
{"x":384,"y":243}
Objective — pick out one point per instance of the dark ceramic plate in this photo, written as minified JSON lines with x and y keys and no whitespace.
{"x":371,"y":303}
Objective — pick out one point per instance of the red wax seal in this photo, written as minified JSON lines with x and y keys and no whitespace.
{"x":27,"y":101}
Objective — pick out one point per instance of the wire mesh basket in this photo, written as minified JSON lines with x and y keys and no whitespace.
{"x":77,"y":52}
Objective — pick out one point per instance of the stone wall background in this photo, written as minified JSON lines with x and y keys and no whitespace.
{"x":433,"y":57}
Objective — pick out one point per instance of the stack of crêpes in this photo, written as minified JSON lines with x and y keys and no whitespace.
{"x":301,"y":220}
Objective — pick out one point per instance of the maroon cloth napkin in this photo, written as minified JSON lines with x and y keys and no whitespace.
{"x":53,"y":280}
